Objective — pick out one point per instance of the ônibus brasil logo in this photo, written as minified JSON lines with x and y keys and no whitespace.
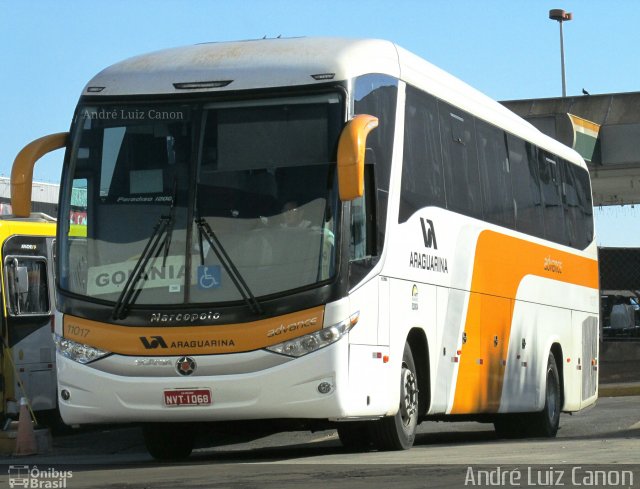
{"x":27,"y":476}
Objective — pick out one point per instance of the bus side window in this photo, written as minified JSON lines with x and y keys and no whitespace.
{"x":422,"y":172}
{"x":363,"y":233}
{"x":550,"y":186}
{"x":571,"y":204}
{"x":523,"y":167}
{"x":585,"y":203}
{"x":377,"y":95}
{"x":460,"y":161}
{"x":357,"y":246}
{"x":496,"y":175}
{"x":576,"y":194}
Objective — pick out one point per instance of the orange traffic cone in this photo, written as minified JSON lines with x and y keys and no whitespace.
{"x":26,"y":443}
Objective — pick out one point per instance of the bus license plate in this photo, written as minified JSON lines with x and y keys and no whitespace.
{"x":187,"y":397}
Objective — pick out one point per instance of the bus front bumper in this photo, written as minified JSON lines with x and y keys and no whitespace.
{"x":313,"y":386}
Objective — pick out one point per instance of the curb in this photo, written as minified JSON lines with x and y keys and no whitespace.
{"x":619,"y":390}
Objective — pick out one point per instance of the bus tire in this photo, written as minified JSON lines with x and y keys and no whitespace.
{"x":166,"y":441}
{"x":398,"y":432}
{"x":546,"y":422}
{"x":354,"y":435}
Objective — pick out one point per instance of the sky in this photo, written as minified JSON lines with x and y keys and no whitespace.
{"x":508,"y":49}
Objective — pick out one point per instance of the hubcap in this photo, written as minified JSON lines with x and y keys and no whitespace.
{"x":409,"y":401}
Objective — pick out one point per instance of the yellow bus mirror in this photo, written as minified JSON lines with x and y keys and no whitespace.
{"x":22,"y":171}
{"x":351,"y":150}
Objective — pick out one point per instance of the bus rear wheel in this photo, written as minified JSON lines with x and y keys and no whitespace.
{"x":399,"y":432}
{"x":169,"y":441}
{"x":541,"y":424}
{"x":546,"y":422}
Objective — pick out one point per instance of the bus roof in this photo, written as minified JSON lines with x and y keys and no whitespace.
{"x":33,"y":226}
{"x":271,"y":63}
{"x":260,"y":63}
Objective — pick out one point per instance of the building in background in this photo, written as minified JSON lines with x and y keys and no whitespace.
{"x":44,"y":198}
{"x":43,"y":195}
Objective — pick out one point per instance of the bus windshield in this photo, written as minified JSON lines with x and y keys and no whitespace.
{"x":201,"y":203}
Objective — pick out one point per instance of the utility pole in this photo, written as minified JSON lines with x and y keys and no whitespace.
{"x":561,"y":16}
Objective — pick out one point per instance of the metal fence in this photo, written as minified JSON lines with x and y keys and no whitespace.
{"x":619,"y":269}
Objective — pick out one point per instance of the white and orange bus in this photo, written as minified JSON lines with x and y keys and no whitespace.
{"x":318,"y":233}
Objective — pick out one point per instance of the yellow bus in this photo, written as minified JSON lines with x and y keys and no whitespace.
{"x":28,"y":368}
{"x":318,"y":232}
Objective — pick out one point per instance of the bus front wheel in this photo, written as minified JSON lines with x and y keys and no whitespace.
{"x":399,"y":432}
{"x":169,"y":441}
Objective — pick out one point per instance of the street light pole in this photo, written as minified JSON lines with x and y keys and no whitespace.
{"x":561,"y":16}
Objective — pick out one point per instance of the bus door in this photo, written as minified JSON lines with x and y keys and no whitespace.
{"x":29,"y":323}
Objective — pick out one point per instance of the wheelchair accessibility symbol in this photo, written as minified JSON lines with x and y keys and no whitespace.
{"x":209,"y":277}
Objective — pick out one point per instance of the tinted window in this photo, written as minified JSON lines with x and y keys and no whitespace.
{"x":572,"y":213}
{"x":495,"y":175}
{"x":578,"y":205}
{"x":460,"y":161}
{"x":551,"y":185}
{"x":422,"y":176}
{"x":583,"y":187}
{"x":455,"y":161}
{"x":524,"y":178}
{"x":377,"y":95}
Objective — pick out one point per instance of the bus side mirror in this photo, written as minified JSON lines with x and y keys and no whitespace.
{"x":22,"y":171}
{"x":351,"y":151}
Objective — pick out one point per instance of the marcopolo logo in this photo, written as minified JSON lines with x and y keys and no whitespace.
{"x":153,"y":342}
{"x":184,"y":317}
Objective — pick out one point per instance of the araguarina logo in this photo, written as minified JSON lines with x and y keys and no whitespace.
{"x":429,"y":235}
{"x":426,"y":261}
{"x":153,"y":342}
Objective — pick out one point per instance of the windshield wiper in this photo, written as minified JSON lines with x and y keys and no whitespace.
{"x":155,"y":245}
{"x":172,"y":216}
{"x":225,"y":260}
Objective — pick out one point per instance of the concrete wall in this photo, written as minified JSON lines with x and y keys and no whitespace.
{"x":619,"y":361}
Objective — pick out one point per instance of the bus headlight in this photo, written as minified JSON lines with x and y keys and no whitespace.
{"x":77,"y":352}
{"x":309,"y":343}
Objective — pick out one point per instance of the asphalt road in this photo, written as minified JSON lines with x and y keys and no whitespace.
{"x":445,"y":455}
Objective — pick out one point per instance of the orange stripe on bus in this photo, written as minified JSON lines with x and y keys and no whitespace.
{"x":501,"y":263}
{"x":193,"y":340}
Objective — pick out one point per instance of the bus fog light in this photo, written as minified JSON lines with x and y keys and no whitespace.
{"x":309,"y":343}
{"x":324,"y":387}
{"x":65,"y":394}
